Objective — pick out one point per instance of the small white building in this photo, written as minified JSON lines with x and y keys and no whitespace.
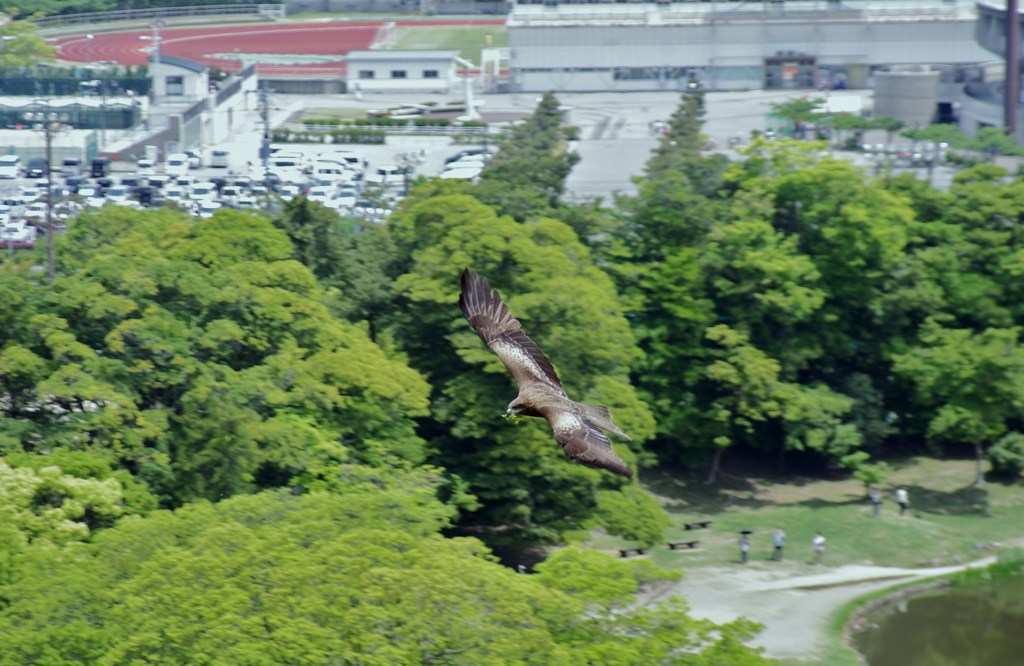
{"x":179,"y":79}
{"x":401,"y":71}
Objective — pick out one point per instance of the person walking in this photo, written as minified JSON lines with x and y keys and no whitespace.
{"x":876,"y":501}
{"x":744,"y":548}
{"x":779,"y":539}
{"x":818,"y":543}
{"x":903,"y":499}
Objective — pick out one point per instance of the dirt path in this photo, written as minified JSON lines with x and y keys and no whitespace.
{"x":793,"y":600}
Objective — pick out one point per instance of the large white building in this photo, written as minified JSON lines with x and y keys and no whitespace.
{"x":601,"y":46}
{"x":401,"y":71}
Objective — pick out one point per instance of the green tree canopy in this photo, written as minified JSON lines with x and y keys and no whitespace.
{"x":198,"y":356}
{"x":358,"y":576}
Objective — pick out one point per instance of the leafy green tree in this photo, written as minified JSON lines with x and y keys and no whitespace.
{"x":527,"y":174}
{"x":632,"y":513}
{"x":1007,"y":455}
{"x":357,"y":576}
{"x":800,"y":110}
{"x":526,"y":488}
{"x":972,"y":384}
{"x":889,"y":125}
{"x":22,"y":46}
{"x":201,"y":358}
{"x":616,"y":631}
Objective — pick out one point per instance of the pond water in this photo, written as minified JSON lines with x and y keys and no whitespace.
{"x":976,"y":625}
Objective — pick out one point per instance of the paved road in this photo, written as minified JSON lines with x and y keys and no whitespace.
{"x":615,"y":130}
{"x":793,"y":600}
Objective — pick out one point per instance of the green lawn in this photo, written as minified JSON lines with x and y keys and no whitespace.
{"x":950,"y":517}
{"x":469,"y":40}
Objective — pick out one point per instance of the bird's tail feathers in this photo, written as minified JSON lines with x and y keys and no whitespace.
{"x":600,"y":416}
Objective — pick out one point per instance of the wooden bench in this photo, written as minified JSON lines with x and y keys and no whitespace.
{"x":698,"y":524}
{"x":626,"y":551}
{"x":676,"y":545}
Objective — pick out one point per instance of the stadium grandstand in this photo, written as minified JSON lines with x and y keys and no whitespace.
{"x":800,"y":44}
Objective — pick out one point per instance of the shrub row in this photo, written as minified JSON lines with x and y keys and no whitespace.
{"x":333,"y":136}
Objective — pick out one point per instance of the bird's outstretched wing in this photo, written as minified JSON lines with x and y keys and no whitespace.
{"x":584,"y":442}
{"x":501,"y":332}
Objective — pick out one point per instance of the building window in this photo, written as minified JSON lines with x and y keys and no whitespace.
{"x":398,"y":73}
{"x":366,"y":73}
{"x":430,"y":73}
{"x":175,"y":85}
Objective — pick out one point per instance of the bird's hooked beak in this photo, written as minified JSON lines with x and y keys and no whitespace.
{"x":512,"y":415}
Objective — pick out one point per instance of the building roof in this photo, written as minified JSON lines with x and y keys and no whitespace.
{"x":402,"y":56}
{"x":183,"y":63}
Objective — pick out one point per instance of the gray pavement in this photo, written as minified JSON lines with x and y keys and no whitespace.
{"x":615,"y":131}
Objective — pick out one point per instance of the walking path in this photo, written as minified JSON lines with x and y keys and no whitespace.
{"x":794,"y":606}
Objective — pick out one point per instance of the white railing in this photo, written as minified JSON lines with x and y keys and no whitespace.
{"x":268,"y":10}
{"x":397,"y":129}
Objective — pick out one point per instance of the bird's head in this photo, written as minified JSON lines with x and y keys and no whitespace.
{"x":512,"y":413}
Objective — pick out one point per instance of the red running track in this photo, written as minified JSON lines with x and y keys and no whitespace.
{"x":328,"y":39}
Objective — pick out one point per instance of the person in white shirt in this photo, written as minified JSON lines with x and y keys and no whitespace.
{"x":903,"y":499}
{"x":818,"y":542}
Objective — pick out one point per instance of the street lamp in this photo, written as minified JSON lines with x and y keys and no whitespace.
{"x":155,"y":38}
{"x":49,"y":122}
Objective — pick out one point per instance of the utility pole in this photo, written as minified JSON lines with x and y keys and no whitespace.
{"x":1011,"y":89}
{"x":50,"y":122}
{"x":264,"y":105}
{"x":159,"y":23}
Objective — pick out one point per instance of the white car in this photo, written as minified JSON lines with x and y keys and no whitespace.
{"x":119,"y":195}
{"x":206,"y":209}
{"x":463,"y":173}
{"x":219,"y":159}
{"x":91,"y":196}
{"x":176,"y":165}
{"x":204,"y":191}
{"x":289,"y":191}
{"x":175,"y":193}
{"x":36,"y":211}
{"x":472,"y":161}
{"x":388,"y":175}
{"x":10,"y":166}
{"x":28,"y":194}
{"x":321,"y":194}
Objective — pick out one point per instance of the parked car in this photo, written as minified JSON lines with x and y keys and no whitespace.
{"x":71,"y":167}
{"x":17,"y":234}
{"x":36,"y":168}
{"x":177,"y":164}
{"x":219,"y":159}
{"x":204,"y":191}
{"x":10,"y":166}
{"x":100,"y":167}
{"x":195,"y":159}
{"x":483,"y":153}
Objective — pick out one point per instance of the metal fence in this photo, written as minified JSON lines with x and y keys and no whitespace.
{"x":268,"y":10}
{"x":398,"y":129}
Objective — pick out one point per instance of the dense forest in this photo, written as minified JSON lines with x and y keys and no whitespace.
{"x":271,"y":438}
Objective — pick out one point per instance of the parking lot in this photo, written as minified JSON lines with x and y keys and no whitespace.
{"x":615,"y":142}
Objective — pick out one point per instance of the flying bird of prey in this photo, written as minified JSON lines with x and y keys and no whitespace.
{"x":577,"y":426}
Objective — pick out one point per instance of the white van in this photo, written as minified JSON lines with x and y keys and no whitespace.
{"x":10,"y":166}
{"x":176,"y":165}
{"x":71,"y":168}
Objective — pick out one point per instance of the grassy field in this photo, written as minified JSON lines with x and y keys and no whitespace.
{"x":469,"y":40}
{"x":951,"y":521}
